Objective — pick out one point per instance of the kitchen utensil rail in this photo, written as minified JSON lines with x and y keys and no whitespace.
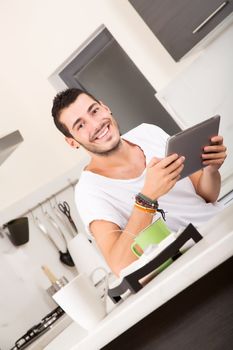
{"x":48,"y":198}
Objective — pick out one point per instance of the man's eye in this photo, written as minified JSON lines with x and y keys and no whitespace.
{"x":95,"y":110}
{"x":80,"y":126}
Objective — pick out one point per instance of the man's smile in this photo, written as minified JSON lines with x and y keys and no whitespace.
{"x":103,"y":133}
{"x":100,"y":134}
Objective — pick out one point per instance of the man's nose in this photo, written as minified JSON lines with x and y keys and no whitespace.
{"x":94,"y":124}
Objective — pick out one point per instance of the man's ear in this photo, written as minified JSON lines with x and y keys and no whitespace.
{"x":72,"y":142}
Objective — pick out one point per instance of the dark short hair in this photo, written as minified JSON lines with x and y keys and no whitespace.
{"x":62,"y":100}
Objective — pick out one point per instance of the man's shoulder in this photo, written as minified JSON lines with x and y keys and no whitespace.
{"x":145,"y":129}
{"x":89,"y":184}
{"x":85,"y":181}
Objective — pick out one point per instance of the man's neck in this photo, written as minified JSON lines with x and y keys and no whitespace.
{"x":114,"y":159}
{"x":126,"y":162}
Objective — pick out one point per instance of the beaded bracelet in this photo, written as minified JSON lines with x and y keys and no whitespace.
{"x":148,"y":205}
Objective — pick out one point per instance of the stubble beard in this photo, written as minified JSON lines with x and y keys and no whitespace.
{"x":110,"y":151}
{"x":104,"y":153}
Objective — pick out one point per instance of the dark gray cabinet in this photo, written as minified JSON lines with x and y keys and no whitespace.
{"x":199,"y":318}
{"x":181,"y":24}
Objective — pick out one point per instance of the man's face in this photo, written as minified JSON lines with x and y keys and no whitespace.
{"x":91,"y":125}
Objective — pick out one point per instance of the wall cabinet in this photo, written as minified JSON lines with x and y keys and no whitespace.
{"x":181,"y":24}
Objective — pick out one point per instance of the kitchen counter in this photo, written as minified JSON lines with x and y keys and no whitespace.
{"x":215,"y":248}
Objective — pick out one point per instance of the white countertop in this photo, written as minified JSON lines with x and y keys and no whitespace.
{"x":211,"y":251}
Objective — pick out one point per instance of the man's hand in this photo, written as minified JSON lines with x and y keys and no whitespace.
{"x":162,"y":175}
{"x":207,"y":182}
{"x":215,"y":154}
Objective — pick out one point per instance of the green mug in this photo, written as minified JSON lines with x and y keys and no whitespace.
{"x":152,"y":234}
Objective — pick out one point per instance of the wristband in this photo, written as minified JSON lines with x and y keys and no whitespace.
{"x":145,"y":209}
{"x":146,"y":201}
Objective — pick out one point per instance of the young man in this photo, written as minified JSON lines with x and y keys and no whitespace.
{"x":118,"y":190}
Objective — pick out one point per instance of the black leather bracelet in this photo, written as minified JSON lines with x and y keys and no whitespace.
{"x":147,"y":198}
{"x":146,"y":201}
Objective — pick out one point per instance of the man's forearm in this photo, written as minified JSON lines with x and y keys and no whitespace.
{"x":121,"y":254}
{"x":209,"y":185}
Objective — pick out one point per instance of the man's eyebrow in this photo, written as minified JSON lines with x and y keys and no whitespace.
{"x":88,"y":111}
{"x":91,"y":106}
{"x":76,"y":122}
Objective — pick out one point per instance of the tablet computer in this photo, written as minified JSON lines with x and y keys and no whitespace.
{"x":190,"y":142}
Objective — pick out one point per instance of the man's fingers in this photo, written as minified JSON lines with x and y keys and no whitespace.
{"x":176,"y":164}
{"x":217,"y":139}
{"x":212,"y":156}
{"x":175,"y":173}
{"x":153,"y":161}
{"x":218,"y":161}
{"x":170,"y":159}
{"x":173,"y":159}
{"x":215,"y":148}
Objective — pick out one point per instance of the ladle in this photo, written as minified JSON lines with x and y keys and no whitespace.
{"x":65,"y":258}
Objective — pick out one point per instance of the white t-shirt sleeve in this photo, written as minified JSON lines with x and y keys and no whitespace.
{"x":154,"y":132}
{"x":150,"y":136}
{"x":93,"y":205}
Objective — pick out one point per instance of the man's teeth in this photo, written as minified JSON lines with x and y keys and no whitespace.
{"x":103,"y":133}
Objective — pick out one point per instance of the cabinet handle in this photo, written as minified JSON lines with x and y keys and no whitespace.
{"x":210,"y":17}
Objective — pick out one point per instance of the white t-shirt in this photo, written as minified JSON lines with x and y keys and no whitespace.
{"x":101,"y":198}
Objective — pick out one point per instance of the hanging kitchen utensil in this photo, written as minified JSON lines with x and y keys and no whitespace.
{"x":56,"y":226}
{"x":60,"y":217}
{"x":58,"y":229}
{"x":65,"y":209}
{"x":65,"y":258}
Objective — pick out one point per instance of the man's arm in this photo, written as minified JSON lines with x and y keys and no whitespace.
{"x":161,"y":176}
{"x":115,"y":243}
{"x":207,"y":182}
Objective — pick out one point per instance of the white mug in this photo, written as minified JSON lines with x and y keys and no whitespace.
{"x":81,"y":300}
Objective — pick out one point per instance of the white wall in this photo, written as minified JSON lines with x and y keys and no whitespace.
{"x":36,"y":37}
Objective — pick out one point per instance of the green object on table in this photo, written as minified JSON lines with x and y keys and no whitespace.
{"x":152,"y":234}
